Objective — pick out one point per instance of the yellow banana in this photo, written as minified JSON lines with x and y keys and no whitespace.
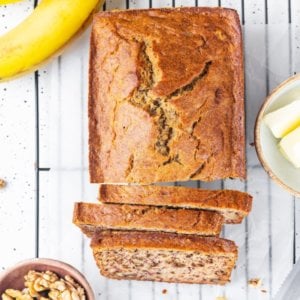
{"x":50,"y":26}
{"x":2,"y":2}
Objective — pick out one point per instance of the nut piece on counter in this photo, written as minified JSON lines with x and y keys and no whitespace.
{"x":221,"y":298}
{"x":255,"y":282}
{"x":2,"y":183}
{"x":46,"y":286}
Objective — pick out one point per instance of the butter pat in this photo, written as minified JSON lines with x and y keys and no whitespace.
{"x":290,"y":147}
{"x":284,"y":120}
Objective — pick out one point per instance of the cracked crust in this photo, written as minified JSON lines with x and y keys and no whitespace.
{"x":158,"y":114}
{"x":93,"y":217}
{"x":233,"y":205}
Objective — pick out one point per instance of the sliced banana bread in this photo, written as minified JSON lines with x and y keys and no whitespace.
{"x":92,"y":217}
{"x":233,"y":205}
{"x":165,"y":257}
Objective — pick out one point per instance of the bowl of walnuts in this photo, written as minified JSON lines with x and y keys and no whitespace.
{"x":44,"y":279}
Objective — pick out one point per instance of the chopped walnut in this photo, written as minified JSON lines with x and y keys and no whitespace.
{"x":221,"y":298}
{"x":46,"y":286}
{"x":255,"y":282}
{"x":2,"y":183}
{"x":6,"y":297}
{"x":11,"y":294}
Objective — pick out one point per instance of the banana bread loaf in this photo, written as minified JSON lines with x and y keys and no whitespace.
{"x":166,"y":96}
{"x":164,"y":257}
{"x":92,"y":217}
{"x":233,"y":205}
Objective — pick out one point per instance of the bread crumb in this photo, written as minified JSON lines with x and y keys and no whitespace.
{"x":263,"y":291}
{"x":255,"y":282}
{"x":164,"y":291}
{"x":2,"y":183}
{"x":221,"y":298}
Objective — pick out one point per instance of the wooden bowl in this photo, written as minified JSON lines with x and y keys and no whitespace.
{"x":278,"y":168}
{"x":14,"y":277}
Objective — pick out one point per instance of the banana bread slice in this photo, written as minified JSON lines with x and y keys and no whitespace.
{"x":92,"y":217}
{"x":233,"y":205}
{"x":165,"y":257}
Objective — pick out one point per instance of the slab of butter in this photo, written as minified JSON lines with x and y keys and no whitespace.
{"x":290,"y":147}
{"x":284,"y":120}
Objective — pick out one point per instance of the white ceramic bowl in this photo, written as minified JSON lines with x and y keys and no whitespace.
{"x":14,"y":277}
{"x":279,"y":169}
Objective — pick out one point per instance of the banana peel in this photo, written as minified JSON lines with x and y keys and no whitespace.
{"x":3,"y":2}
{"x":43,"y":34}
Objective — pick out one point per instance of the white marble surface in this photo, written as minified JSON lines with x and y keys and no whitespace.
{"x":43,"y":158}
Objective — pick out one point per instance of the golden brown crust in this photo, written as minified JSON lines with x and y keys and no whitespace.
{"x":162,"y":240}
{"x":234,"y":205}
{"x":94,"y":139}
{"x":92,"y":217}
{"x":158,"y":114}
